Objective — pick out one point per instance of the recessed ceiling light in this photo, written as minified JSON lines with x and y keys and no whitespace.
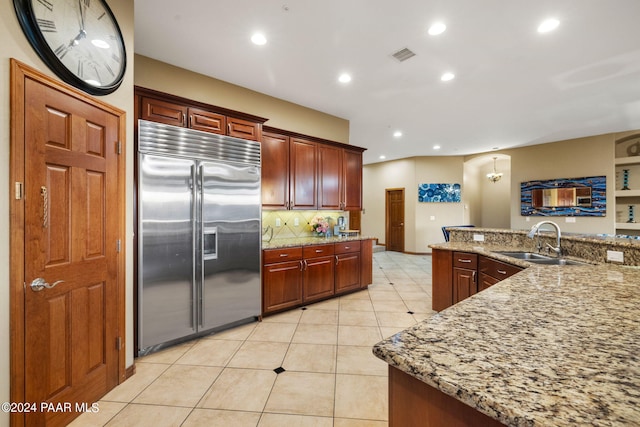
{"x":447,"y":76}
{"x":383,"y":157}
{"x":437,"y":28}
{"x":344,"y":78}
{"x":548,"y":25}
{"x":397,"y":134}
{"x":436,"y":147}
{"x":259,"y":39}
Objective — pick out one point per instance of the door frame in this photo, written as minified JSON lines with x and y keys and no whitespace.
{"x":387,"y":222}
{"x":19,"y":74}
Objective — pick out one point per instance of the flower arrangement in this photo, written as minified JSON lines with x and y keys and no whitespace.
{"x":320,"y":225}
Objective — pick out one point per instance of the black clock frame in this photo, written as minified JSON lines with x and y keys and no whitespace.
{"x":26,"y":17}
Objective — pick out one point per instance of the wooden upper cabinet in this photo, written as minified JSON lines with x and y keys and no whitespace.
{"x":243,"y":129}
{"x":275,"y":171}
{"x":330,"y":179}
{"x":303,"y":174}
{"x":352,"y":180}
{"x":168,"y":113}
{"x":207,"y":121}
{"x":173,"y":110}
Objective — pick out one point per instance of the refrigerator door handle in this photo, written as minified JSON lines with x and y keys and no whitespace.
{"x":194,"y":222}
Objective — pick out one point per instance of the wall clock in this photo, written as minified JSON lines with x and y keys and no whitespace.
{"x":78,"y":39}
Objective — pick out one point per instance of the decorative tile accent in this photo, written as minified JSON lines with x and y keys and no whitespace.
{"x":288,"y":229}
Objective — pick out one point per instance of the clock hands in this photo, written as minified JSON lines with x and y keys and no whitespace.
{"x":82,"y":7}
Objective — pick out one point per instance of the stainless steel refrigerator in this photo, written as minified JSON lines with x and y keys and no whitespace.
{"x":199,"y":223}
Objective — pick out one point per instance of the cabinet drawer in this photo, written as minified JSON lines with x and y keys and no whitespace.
{"x":465,"y":260}
{"x":497,"y":269}
{"x":317,"y":250}
{"x":270,"y":256}
{"x":243,"y":129}
{"x":347,"y":247}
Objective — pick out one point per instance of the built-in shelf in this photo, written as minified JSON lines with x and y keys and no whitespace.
{"x":627,"y":193}
{"x":627,"y":226}
{"x":627,"y":160}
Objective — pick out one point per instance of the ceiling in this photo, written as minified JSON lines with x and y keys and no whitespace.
{"x":513,"y":87}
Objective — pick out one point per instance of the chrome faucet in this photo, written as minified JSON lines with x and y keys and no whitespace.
{"x":535,"y":231}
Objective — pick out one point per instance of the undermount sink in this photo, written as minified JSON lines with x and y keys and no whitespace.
{"x":529,"y":256}
{"x":540,"y":259}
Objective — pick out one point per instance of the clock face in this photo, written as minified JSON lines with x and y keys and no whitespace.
{"x":78,"y":39}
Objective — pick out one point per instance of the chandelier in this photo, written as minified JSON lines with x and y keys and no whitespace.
{"x":494,"y":176}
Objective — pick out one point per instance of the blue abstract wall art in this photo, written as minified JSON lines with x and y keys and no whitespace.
{"x":596,"y":207}
{"x":439,"y":193}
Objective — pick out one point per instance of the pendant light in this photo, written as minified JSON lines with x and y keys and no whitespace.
{"x":494,"y":176}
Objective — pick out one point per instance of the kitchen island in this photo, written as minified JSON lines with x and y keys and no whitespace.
{"x":551,"y":345}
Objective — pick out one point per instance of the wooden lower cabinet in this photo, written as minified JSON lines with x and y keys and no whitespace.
{"x":412,"y":403}
{"x":348,"y":264}
{"x":317,"y":279}
{"x":282,"y":286}
{"x":458,"y":275}
{"x":485,"y":281}
{"x":300,"y":275}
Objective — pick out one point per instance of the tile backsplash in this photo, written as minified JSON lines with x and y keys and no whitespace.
{"x":284,"y":225}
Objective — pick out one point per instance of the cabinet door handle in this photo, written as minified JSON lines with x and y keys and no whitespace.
{"x":473,"y":277}
{"x":284,"y":255}
{"x":301,"y":266}
{"x":502,"y":272}
{"x":464,"y":260}
{"x":336,"y":259}
{"x":305,"y":264}
{"x":228,"y":128}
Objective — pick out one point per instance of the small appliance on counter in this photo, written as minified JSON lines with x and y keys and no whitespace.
{"x":339,"y":227}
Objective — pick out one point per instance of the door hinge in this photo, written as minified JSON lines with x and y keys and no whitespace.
{"x":118,"y":343}
{"x":118,"y":245}
{"x":119,"y":147}
{"x":19,"y":190}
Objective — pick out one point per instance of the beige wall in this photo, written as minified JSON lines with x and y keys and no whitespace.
{"x":15,"y":45}
{"x":484,"y":203}
{"x":420,"y":229}
{"x":163,"y":77}
{"x":590,"y":156}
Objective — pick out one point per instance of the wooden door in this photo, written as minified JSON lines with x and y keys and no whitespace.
{"x":464,"y":284}
{"x":207,"y":121}
{"x":394,"y":236}
{"x":318,"y":278}
{"x":304,"y":173}
{"x":347,"y":272}
{"x":163,"y":112}
{"x":330,"y":179}
{"x":282,"y":286}
{"x":67,"y":337}
{"x":352,"y":182}
{"x":275,"y":171}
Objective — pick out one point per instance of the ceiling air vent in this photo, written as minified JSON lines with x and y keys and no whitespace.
{"x":403,"y":54}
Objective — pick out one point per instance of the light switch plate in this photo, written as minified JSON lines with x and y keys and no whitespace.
{"x":296,"y":222}
{"x":278,"y":222}
{"x":570,"y":219}
{"x":478,"y":237}
{"x":615,"y":256}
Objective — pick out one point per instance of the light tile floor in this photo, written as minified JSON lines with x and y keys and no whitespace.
{"x":330,"y":376}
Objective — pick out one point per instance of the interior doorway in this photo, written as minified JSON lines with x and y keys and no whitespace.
{"x":394,"y":219}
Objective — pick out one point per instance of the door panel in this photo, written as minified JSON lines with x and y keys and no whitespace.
{"x":165,"y":257}
{"x":395,"y":220}
{"x":70,"y":241}
{"x":231,"y":246}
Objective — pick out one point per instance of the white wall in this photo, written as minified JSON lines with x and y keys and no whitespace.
{"x":15,"y":45}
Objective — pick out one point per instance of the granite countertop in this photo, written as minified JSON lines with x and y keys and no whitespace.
{"x":551,"y":345}
{"x":306,"y":241}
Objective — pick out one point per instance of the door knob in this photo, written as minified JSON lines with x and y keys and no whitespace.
{"x":39,"y":284}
